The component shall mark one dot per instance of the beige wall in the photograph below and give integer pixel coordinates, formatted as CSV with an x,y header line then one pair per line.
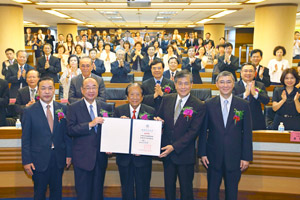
x,y
216,31
12,29
274,25
66,29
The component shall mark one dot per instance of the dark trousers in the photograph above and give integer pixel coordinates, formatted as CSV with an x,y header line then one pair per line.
x,y
185,174
231,180
89,184
52,177
135,177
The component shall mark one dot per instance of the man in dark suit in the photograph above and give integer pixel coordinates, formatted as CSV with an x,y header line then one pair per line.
x,y
228,62
192,64
254,92
164,43
120,68
183,115
262,73
4,100
225,141
171,72
49,38
86,67
10,54
98,65
46,147
135,170
137,55
28,37
48,65
84,124
146,62
207,39
154,88
27,96
191,41
16,73
60,41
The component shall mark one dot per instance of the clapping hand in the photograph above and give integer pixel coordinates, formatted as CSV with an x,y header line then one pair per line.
x,y
252,88
296,98
261,72
283,95
19,73
47,65
276,68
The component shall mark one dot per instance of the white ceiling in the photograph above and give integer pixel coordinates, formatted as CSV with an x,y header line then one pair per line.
x,y
137,17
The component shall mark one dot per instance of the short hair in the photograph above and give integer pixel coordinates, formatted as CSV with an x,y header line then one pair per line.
x,y
289,71
220,45
127,42
85,57
38,73
61,46
248,63
78,45
170,46
182,74
9,49
222,38
156,42
225,73
296,32
151,46
88,79
278,48
84,35
208,33
46,78
60,34
120,51
73,56
138,43
191,47
107,44
256,51
133,85
21,51
203,48
92,50
228,44
173,58
157,61
48,44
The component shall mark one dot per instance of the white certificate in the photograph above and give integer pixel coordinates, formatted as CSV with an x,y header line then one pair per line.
x,y
115,135
146,137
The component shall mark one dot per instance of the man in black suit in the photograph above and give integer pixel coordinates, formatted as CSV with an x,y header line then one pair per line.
x,y
225,141
49,38
120,68
135,170
207,39
16,73
98,65
60,41
85,65
192,64
191,41
84,124
28,37
254,92
164,43
183,115
10,54
27,96
154,88
262,73
171,72
4,100
228,62
46,146
146,62
48,65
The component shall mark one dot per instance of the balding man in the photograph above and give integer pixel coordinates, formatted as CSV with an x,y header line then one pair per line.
x,y
120,68
86,68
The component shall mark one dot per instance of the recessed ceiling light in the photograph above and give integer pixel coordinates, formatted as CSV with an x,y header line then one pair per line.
x,y
107,4
90,25
76,21
22,1
191,26
239,26
215,4
167,13
58,14
203,9
203,21
254,1
223,13
70,9
158,9
169,4
61,4
26,22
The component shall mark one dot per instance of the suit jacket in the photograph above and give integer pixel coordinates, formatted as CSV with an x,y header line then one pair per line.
x,y
194,68
120,74
23,97
232,67
189,43
52,71
183,133
125,159
146,67
258,119
50,40
4,70
266,77
148,87
37,138
167,74
164,45
12,77
231,144
4,100
75,88
86,142
137,60
205,42
100,69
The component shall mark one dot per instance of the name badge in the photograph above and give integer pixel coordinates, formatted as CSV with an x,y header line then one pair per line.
x,y
295,136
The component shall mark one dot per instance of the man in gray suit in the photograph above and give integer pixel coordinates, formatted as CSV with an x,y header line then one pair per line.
x,y
86,68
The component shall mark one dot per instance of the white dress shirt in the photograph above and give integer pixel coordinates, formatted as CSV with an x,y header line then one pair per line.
x,y
183,100
222,99
137,111
281,66
35,92
94,108
44,105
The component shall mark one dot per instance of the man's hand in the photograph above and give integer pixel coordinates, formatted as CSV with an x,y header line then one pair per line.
x,y
47,65
19,73
244,165
28,168
261,72
68,162
167,150
97,120
205,161
158,90
158,119
252,88
247,91
124,117
24,73
30,103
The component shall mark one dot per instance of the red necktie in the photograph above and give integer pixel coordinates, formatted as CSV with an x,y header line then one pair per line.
x,y
47,58
133,116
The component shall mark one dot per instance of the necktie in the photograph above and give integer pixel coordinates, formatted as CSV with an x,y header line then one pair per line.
x,y
92,116
158,82
172,74
177,110
47,58
32,93
151,60
11,62
133,114
84,48
225,112
50,118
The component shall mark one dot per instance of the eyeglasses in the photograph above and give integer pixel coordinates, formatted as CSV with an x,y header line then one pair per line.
x,y
90,88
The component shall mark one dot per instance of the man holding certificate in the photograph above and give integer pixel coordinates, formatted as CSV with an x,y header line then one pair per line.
x,y
135,170
183,115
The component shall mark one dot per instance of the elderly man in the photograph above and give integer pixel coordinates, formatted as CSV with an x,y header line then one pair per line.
x,y
16,73
86,68
120,68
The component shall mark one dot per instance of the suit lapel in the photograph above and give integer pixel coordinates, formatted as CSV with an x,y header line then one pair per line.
x,y
85,111
241,84
219,110
40,112
231,112
55,117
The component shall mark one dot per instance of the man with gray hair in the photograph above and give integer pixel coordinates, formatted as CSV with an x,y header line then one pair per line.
x,y
225,141
120,68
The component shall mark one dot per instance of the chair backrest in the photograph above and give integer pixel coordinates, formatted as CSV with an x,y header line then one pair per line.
x,y
202,94
269,117
111,110
130,78
115,93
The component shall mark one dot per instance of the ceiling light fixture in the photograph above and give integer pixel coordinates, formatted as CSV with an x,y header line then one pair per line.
x,y
254,1
298,13
58,14
27,22
76,9
22,1
203,21
169,4
215,4
222,14
77,21
107,4
61,4
239,26
158,9
191,26
203,9
90,25
167,13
